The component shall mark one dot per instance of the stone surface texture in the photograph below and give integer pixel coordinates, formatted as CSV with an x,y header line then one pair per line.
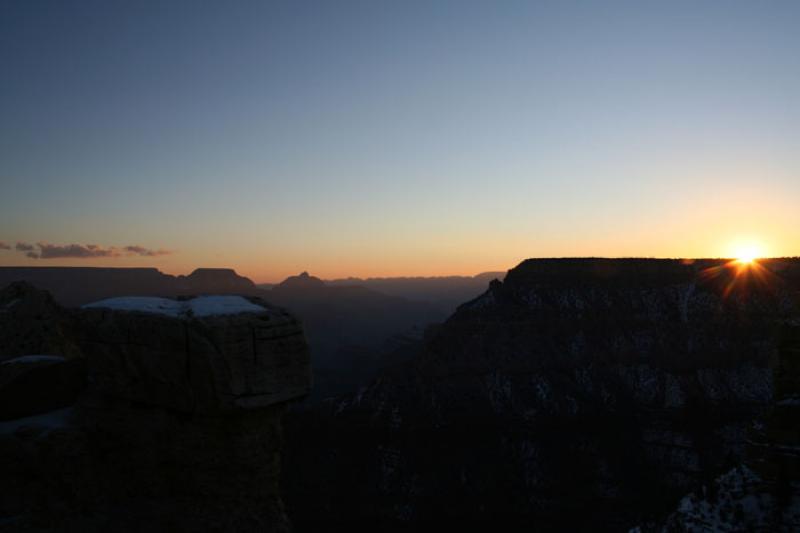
x,y
164,423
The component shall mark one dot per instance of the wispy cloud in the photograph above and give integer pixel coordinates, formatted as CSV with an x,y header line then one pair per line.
x,y
43,250
55,251
141,250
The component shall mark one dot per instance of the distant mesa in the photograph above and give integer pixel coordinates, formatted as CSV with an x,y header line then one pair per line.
x,y
221,279
75,286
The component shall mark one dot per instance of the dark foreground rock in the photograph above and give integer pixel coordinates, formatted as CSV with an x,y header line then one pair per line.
x,y
32,385
177,425
763,493
31,322
577,395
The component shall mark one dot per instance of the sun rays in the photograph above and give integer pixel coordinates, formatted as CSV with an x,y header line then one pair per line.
x,y
742,275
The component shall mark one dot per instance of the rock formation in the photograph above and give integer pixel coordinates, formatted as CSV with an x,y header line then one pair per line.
x,y
175,425
302,281
343,324
577,394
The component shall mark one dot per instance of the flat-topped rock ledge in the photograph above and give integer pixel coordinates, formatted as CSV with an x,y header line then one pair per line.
x,y
145,414
207,354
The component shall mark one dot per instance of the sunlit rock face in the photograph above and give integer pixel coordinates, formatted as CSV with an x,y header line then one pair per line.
x,y
575,393
175,426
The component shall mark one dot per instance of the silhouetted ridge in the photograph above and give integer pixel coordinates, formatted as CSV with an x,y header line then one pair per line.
x,y
302,281
73,286
575,395
219,279
444,292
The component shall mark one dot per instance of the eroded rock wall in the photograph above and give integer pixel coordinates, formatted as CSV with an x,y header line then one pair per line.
x,y
175,425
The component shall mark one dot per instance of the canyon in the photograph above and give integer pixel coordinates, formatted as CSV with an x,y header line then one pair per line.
x,y
575,394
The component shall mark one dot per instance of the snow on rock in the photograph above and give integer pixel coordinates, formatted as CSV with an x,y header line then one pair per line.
x,y
10,304
222,305
30,359
145,304
791,401
49,421
200,307
739,500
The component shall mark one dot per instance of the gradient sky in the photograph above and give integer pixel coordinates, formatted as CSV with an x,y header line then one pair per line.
x,y
403,138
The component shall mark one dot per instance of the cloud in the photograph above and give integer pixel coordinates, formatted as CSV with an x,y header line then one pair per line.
x,y
43,250
141,250
55,251
4,246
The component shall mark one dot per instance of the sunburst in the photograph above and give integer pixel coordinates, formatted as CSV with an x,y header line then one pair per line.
x,y
748,254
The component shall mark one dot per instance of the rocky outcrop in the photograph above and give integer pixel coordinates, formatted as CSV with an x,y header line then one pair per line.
x,y
208,364
176,425
576,394
31,322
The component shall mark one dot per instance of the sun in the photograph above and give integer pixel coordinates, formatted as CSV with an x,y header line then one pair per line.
x,y
746,255
746,258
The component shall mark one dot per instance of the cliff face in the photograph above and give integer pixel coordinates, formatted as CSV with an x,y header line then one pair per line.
x,y
763,494
173,423
575,393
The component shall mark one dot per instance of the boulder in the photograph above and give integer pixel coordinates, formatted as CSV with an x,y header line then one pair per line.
x,y
164,416
182,357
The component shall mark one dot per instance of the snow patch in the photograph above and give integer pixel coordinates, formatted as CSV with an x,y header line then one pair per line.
x,y
48,421
201,306
791,401
30,359
223,305
11,304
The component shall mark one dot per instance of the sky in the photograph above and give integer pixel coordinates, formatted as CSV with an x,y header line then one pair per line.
x,y
395,138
